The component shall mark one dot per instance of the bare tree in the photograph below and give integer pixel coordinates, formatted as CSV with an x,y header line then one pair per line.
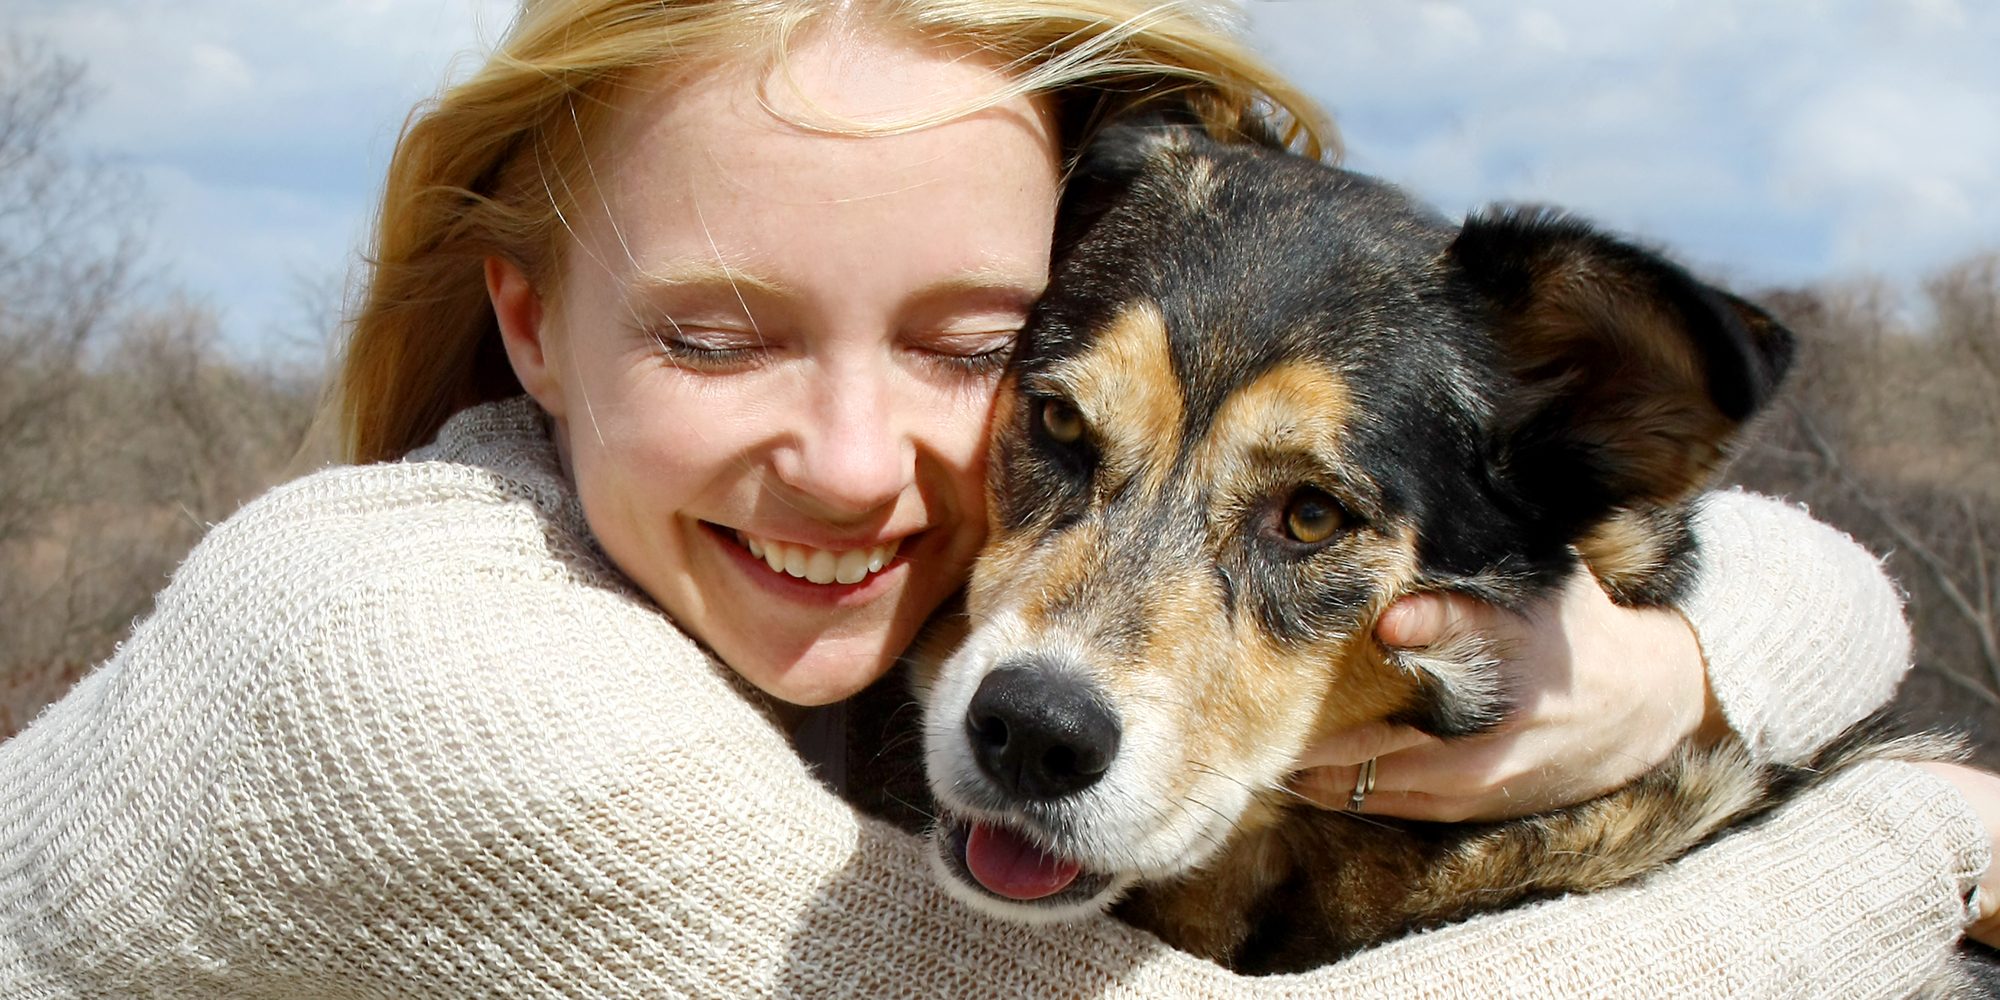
x,y
67,252
1892,431
126,428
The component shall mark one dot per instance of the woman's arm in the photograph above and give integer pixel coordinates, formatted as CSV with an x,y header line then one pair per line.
x,y
1982,791
1800,904
442,764
661,837
1801,628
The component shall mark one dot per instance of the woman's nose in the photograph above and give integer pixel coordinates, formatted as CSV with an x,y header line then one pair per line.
x,y
853,453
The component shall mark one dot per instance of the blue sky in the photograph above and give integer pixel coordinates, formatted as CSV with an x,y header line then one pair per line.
x,y
1766,142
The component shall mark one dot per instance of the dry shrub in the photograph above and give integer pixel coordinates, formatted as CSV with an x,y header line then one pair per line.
x,y
161,434
1892,431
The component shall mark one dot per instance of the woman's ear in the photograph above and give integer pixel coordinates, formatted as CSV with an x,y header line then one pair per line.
x,y
518,308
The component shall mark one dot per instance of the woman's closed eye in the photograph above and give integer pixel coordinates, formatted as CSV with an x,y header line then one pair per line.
x,y
978,353
710,349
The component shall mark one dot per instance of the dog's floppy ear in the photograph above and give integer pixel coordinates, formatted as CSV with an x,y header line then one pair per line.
x,y
1635,376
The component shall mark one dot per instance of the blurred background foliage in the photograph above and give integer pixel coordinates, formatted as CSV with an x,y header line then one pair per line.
x,y
126,429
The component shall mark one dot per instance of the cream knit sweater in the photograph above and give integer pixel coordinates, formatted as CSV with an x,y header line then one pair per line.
x,y
400,731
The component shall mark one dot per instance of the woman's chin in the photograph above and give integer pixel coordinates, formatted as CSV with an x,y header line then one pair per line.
x,y
822,675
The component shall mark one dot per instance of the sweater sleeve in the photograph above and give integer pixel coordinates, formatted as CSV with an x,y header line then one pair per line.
x,y
1802,629
453,767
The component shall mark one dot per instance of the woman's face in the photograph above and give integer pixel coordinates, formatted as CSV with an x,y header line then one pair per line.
x,y
774,347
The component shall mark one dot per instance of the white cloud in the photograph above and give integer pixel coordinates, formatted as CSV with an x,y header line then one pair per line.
x,y
1904,163
1785,140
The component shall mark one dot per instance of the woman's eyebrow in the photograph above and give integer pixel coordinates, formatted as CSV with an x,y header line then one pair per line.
x,y
703,278
990,284
708,278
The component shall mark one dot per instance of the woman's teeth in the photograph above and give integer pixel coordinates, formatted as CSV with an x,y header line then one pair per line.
x,y
820,565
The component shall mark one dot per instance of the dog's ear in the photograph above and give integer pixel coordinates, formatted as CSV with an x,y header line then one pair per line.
x,y
1635,376
1113,159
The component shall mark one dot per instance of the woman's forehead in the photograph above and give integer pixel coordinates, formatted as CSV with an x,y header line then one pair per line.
x,y
717,173
843,89
693,159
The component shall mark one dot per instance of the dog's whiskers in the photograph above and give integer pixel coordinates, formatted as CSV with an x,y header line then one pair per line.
x,y
1233,823
920,810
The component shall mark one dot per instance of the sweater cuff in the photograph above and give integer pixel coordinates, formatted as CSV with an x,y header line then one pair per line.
x,y
1801,628
1909,805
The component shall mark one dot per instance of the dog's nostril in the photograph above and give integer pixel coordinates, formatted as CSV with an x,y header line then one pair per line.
x,y
991,731
1040,733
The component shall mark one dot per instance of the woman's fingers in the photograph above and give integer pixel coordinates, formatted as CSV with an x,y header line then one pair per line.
x,y
1328,787
1330,769
1598,693
1357,744
1413,621
1333,787
1419,805
1418,620
1491,777
1404,781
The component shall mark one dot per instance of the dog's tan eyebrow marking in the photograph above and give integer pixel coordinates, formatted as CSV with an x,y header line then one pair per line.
x,y
1126,388
1298,408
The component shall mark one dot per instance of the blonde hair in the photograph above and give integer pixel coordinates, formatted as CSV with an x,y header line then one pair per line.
x,y
483,169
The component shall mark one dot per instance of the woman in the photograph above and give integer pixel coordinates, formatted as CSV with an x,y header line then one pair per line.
x,y
421,728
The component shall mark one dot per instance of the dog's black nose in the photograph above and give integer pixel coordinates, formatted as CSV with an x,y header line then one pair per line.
x,y
1040,734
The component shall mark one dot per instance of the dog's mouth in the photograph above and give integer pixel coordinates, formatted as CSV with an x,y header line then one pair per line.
x,y
1005,864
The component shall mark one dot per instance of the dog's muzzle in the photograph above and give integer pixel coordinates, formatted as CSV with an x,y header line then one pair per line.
x,y
1038,734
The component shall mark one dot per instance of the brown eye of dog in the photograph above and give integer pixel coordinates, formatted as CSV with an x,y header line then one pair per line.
x,y
1311,517
1062,421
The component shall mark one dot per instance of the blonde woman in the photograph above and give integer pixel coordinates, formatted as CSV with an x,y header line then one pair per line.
x,y
668,397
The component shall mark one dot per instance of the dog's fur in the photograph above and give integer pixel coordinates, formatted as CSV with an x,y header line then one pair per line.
x,y
1262,399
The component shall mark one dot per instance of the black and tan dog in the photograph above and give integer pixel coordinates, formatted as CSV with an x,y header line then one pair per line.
x,y
1262,399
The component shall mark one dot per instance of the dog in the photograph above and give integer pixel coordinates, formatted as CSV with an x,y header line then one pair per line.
x,y
1261,399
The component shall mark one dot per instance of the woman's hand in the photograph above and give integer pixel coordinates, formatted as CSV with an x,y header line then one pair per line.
x,y
1602,693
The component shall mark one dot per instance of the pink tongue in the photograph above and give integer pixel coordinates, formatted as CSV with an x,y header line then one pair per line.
x,y
1014,868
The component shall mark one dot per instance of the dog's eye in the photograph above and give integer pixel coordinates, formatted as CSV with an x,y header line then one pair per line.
x,y
1062,421
1312,517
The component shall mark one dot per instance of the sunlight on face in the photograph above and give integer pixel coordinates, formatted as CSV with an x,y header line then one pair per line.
x,y
774,353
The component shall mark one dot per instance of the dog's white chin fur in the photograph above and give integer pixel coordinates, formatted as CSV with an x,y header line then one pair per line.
x,y
1119,825
1030,912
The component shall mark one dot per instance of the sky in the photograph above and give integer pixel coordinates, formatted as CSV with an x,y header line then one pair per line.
x,y
1764,142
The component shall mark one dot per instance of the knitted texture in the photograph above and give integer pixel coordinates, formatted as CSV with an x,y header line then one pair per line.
x,y
400,731
1801,626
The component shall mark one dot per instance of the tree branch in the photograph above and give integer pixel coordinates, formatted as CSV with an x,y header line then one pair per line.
x,y
1978,618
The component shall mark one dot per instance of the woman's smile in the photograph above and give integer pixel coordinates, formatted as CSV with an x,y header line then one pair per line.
x,y
794,571
817,565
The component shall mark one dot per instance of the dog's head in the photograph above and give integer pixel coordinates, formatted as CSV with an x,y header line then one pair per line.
x,y
1262,399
